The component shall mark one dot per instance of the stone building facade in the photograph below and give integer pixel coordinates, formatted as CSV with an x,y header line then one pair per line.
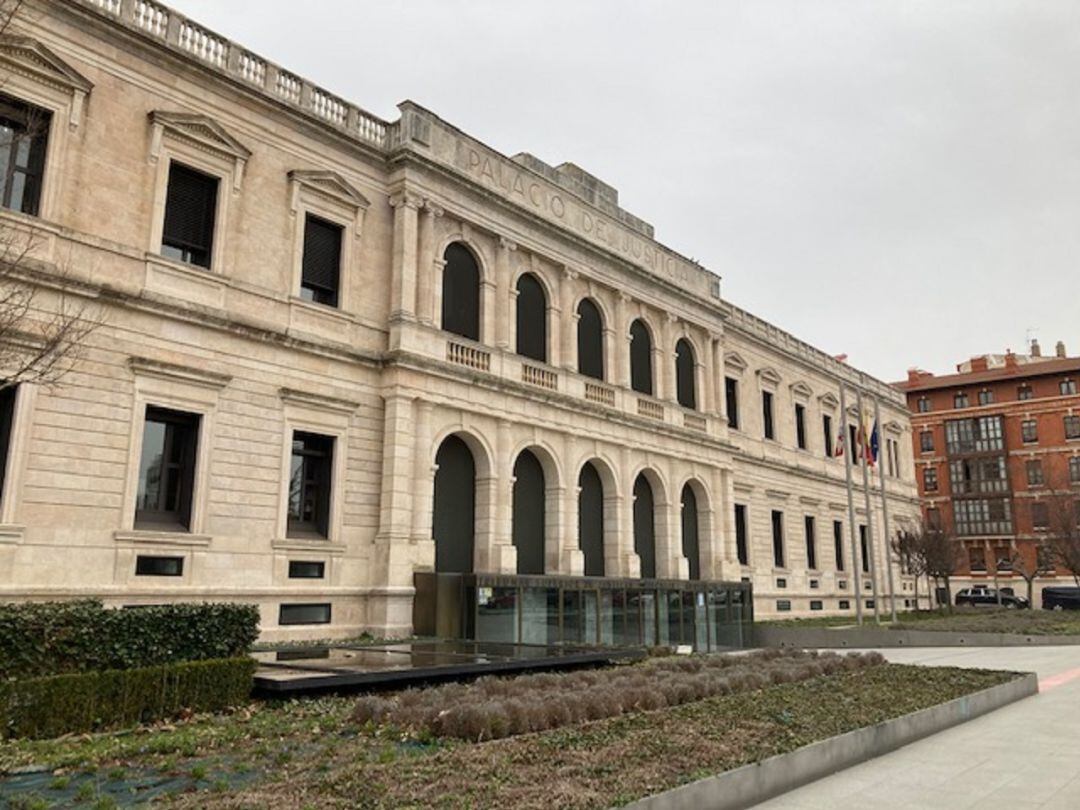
x,y
337,350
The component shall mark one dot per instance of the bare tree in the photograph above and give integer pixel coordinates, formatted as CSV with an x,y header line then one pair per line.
x,y
1063,522
942,556
907,546
1030,570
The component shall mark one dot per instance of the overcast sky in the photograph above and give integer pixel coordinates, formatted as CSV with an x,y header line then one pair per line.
x,y
898,181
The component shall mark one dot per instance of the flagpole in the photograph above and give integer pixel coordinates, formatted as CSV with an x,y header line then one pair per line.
x,y
885,511
848,450
869,515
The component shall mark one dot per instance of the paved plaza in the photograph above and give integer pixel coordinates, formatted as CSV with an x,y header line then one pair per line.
x,y
1023,756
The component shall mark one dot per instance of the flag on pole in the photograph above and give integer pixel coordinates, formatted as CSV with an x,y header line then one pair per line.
x,y
875,445
839,451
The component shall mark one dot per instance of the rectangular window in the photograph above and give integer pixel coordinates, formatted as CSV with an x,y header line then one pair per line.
x,y
982,435
926,441
778,538
975,517
24,134
864,550
933,517
986,397
815,584
167,470
1029,430
978,476
7,419
1067,387
816,604
1072,427
924,405
767,414
844,604
929,479
303,569
1074,470
838,543
811,543
190,210
960,400
781,583
783,605
310,481
826,425
147,566
1040,515
741,546
841,584
800,426
1024,392
321,271
731,393
1035,473
318,613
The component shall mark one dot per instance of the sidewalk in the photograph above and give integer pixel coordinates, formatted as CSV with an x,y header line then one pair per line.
x,y
1024,756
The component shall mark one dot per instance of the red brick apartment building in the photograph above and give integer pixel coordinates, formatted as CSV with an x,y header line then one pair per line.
x,y
996,446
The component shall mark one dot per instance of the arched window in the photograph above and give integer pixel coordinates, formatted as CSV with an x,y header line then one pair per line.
x,y
531,318
528,514
461,292
690,546
590,340
644,527
591,520
685,385
640,358
454,522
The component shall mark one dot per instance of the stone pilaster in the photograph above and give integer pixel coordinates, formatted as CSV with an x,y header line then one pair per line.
x,y
427,265
567,286
404,255
504,298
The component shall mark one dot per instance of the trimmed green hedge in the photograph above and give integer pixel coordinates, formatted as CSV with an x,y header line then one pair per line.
x,y
51,638
95,701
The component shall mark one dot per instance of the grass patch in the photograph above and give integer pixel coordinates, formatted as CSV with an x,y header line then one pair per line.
x,y
961,620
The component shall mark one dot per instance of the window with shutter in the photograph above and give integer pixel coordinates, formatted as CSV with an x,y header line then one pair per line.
x,y
321,274
190,206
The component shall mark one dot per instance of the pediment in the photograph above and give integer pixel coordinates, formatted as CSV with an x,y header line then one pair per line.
x,y
734,360
893,426
769,375
200,130
801,389
35,59
829,401
329,184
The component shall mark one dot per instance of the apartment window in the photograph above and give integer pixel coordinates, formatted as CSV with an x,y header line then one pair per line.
x,y
310,481
778,538
167,469
24,133
930,479
800,426
1074,470
190,209
767,414
1024,392
980,435
924,405
974,517
1072,427
1035,473
306,569
304,614
7,419
864,550
1040,515
826,426
147,566
926,441
816,604
321,271
811,542
986,397
1029,430
960,400
933,517
1067,387
783,605
838,543
731,394
741,545
978,476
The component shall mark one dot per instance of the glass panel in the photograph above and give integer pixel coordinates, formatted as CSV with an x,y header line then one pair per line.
x,y
607,616
663,619
589,625
497,614
632,614
573,630
648,613
701,622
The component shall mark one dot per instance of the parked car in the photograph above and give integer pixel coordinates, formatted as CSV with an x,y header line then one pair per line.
x,y
985,596
1061,598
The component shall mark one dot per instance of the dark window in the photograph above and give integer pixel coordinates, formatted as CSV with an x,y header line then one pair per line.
x,y
304,569
318,613
528,513
982,516
978,476
869,604
1040,515
190,209
929,479
461,292
811,542
685,385
816,604
310,482
167,470
933,517
591,520
146,566
781,582
783,605
742,548
1035,473
321,271
24,134
590,340
838,543
814,584
778,538
800,426
531,318
731,393
926,441
826,426
644,527
924,405
981,435
986,397
690,546
7,419
1024,392
1029,430
1067,387
640,358
844,604
841,584
1074,469
864,550
767,414
960,400
1072,427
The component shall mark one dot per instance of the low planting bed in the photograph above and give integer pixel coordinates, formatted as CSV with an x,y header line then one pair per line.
x,y
702,716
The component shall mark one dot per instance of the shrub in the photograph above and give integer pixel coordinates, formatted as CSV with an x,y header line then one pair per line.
x,y
94,701
51,638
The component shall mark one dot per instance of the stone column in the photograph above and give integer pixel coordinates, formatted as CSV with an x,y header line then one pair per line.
x,y
620,371
571,560
404,256
426,269
495,492
504,309
718,385
488,309
627,563
568,353
423,483
666,371
708,377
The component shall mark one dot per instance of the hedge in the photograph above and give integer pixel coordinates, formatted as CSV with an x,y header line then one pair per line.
x,y
52,638
96,701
